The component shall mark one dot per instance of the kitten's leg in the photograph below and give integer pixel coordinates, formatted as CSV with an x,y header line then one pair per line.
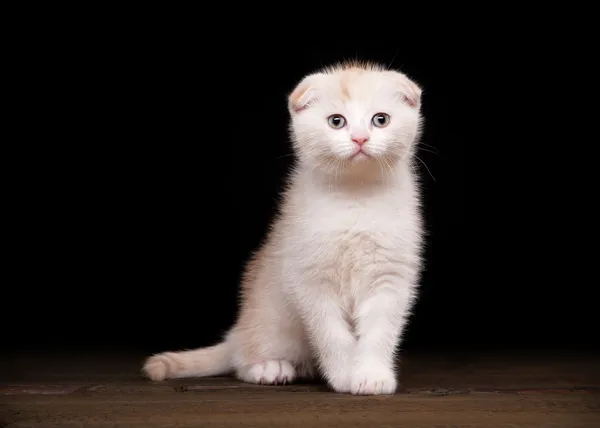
x,y
270,351
330,334
380,319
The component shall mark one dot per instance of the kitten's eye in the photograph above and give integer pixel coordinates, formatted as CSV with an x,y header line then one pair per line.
x,y
336,121
381,120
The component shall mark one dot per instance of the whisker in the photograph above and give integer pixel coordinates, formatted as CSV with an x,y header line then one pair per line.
x,y
426,167
427,150
428,145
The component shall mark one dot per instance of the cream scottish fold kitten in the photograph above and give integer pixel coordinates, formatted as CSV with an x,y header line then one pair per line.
x,y
333,284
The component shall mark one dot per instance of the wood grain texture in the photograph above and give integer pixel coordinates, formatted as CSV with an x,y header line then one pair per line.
x,y
471,390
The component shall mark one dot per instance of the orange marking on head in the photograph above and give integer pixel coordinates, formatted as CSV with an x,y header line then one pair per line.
x,y
344,87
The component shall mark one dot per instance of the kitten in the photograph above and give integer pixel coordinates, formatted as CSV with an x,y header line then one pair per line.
x,y
333,284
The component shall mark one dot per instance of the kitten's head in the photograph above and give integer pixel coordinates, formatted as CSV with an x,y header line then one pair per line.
x,y
354,115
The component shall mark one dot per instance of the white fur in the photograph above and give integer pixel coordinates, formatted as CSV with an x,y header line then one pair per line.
x,y
335,281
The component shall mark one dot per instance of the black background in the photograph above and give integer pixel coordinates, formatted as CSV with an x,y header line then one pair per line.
x,y
134,231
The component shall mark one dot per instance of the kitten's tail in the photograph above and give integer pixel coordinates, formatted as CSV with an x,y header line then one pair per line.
x,y
210,361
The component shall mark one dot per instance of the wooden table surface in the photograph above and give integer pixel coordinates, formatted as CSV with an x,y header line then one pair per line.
x,y
541,389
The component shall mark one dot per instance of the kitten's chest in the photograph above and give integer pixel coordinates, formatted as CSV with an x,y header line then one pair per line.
x,y
344,220
347,241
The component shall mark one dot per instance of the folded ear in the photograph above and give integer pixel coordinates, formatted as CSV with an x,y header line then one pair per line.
x,y
304,94
408,91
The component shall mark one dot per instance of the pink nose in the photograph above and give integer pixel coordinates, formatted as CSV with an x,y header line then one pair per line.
x,y
360,139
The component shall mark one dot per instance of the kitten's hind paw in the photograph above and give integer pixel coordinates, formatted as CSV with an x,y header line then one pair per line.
x,y
272,372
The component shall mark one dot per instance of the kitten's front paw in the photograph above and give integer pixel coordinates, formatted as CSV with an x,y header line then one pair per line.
x,y
373,379
273,372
